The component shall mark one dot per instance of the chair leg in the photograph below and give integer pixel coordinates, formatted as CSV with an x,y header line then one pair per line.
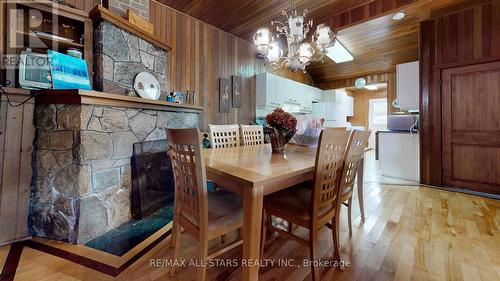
x,y
177,244
336,238
223,238
290,227
263,233
201,271
174,226
349,215
313,243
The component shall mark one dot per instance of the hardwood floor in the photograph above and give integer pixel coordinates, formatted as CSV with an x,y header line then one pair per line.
x,y
410,233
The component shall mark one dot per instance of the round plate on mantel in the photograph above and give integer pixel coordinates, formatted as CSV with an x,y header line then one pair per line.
x,y
147,86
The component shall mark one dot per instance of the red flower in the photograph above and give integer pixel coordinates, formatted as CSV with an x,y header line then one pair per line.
x,y
281,120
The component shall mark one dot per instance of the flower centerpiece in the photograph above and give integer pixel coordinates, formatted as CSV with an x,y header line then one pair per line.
x,y
283,126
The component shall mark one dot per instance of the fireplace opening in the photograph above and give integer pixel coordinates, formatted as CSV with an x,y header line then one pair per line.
x,y
152,178
152,199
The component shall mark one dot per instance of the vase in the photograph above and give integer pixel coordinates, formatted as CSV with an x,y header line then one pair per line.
x,y
279,139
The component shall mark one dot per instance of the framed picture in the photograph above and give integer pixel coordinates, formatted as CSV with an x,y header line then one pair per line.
x,y
237,85
68,72
224,94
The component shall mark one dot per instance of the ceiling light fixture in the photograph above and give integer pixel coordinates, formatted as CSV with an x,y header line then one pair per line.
x,y
338,53
398,16
371,87
299,54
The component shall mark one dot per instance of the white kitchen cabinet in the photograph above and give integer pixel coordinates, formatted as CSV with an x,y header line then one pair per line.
x,y
317,95
350,106
407,85
280,90
265,90
341,97
275,91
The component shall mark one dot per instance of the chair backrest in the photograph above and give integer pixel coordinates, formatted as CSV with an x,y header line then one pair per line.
x,y
355,151
252,134
330,157
224,136
189,174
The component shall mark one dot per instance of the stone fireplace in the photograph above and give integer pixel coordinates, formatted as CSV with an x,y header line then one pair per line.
x,y
82,165
120,55
84,140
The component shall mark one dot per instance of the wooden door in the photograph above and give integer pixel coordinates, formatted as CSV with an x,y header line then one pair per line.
x,y
471,127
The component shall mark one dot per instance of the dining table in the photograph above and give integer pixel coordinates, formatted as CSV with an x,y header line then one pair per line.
x,y
253,172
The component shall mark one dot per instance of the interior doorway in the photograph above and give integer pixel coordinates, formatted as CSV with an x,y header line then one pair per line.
x,y
377,118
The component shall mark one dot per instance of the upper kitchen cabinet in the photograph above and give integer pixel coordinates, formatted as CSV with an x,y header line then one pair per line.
x,y
407,80
266,91
350,106
276,91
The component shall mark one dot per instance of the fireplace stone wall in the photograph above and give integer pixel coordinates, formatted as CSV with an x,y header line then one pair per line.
x,y
82,176
120,55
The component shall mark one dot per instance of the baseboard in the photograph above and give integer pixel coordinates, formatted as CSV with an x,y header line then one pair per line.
x,y
15,240
465,191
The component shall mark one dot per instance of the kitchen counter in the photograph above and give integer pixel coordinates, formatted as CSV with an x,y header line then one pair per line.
x,y
399,154
389,132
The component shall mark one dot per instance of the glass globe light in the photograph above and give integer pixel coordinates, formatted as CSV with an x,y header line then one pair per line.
x,y
305,52
274,52
323,36
262,38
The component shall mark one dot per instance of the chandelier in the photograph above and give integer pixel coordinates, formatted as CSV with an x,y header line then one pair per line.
x,y
299,54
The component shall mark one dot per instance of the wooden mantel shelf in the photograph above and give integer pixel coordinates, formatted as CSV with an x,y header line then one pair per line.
x,y
107,99
101,13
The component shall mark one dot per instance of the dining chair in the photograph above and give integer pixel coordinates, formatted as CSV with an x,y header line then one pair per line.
x,y
224,136
312,207
252,134
204,215
355,151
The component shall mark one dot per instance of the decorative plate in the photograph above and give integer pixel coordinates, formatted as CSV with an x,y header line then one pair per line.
x,y
147,86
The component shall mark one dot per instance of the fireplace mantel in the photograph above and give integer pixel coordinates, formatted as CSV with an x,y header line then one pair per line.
x,y
108,99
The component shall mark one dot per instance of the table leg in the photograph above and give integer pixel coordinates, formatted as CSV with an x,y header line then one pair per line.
x,y
252,223
361,169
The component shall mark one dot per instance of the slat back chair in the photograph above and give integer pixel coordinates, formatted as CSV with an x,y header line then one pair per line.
x,y
252,134
192,212
224,136
313,209
355,151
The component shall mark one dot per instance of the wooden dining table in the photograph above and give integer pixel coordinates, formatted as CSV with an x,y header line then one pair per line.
x,y
254,172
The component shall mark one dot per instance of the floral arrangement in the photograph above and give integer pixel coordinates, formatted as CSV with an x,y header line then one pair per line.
x,y
284,127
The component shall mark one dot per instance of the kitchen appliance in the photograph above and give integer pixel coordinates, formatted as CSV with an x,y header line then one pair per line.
x,y
406,122
34,70
334,114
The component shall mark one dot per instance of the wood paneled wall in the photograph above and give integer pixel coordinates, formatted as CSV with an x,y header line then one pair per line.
x,y
16,140
201,54
464,36
362,105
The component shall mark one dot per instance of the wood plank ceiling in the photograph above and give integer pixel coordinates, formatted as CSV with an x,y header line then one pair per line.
x,y
243,17
377,44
